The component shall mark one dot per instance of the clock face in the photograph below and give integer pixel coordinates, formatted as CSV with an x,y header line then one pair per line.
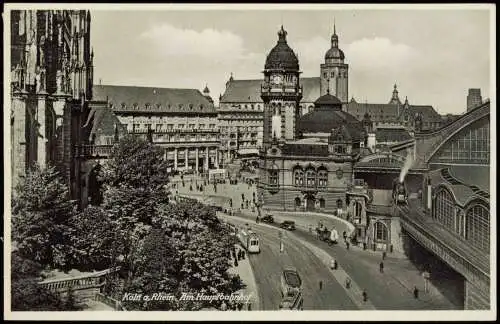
x,y
277,79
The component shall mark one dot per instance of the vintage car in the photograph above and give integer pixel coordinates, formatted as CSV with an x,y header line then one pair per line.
x,y
268,219
288,225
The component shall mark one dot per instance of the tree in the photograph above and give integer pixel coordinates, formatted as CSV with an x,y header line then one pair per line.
x,y
41,212
27,294
186,251
94,239
138,164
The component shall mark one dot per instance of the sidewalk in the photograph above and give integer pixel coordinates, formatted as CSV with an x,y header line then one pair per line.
x,y
244,270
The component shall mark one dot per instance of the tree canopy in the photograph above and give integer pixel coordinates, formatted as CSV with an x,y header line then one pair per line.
x,y
41,213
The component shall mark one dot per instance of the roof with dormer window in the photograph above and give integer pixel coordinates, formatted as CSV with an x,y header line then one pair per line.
x,y
132,99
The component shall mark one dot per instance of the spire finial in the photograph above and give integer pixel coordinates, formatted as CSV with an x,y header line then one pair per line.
x,y
282,34
334,27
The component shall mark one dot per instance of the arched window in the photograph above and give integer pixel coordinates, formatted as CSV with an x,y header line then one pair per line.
x,y
444,209
322,178
311,178
322,203
358,209
298,177
298,203
380,231
273,177
477,227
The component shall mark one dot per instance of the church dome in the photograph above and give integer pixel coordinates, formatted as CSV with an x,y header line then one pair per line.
x,y
328,100
334,53
282,56
328,115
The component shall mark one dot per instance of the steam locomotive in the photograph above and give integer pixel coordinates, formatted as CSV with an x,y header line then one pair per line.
x,y
400,193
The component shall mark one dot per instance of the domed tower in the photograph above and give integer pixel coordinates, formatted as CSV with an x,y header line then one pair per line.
x,y
334,72
281,92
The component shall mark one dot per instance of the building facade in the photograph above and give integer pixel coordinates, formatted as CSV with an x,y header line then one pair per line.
x,y
397,114
241,113
306,162
51,90
182,121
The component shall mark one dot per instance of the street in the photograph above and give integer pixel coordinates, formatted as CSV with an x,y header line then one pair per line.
x,y
267,267
391,290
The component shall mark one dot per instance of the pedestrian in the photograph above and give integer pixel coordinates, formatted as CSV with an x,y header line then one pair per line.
x,y
249,306
364,246
240,306
348,282
384,254
243,254
347,245
344,235
365,296
320,285
223,306
335,265
381,267
415,292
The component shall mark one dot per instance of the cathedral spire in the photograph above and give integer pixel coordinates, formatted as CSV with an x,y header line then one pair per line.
x,y
335,38
395,96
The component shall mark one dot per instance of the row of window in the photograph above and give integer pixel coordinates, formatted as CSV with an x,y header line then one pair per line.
x,y
184,138
247,106
342,74
160,127
474,225
148,106
310,178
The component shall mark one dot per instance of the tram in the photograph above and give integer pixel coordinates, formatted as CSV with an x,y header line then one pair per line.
x,y
249,240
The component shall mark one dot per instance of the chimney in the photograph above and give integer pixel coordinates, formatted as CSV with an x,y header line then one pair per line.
x,y
100,81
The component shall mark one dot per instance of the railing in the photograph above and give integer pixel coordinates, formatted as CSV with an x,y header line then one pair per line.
x,y
94,151
284,89
77,283
175,131
111,302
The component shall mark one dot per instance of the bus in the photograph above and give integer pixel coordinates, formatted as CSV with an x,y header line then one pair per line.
x,y
249,240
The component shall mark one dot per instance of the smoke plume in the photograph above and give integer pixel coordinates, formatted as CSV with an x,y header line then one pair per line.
x,y
410,157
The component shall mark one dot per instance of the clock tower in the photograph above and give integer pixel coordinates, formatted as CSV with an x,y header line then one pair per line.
x,y
281,93
334,72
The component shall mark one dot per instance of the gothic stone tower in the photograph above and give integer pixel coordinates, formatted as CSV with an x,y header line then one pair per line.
x,y
334,72
281,93
52,72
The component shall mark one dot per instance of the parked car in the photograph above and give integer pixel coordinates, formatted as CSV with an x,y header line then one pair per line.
x,y
268,219
288,225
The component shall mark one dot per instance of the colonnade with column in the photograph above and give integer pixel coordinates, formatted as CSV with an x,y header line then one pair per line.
x,y
197,158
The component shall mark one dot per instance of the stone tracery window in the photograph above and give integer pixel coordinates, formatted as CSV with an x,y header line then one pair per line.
x,y
298,177
311,178
322,178
273,177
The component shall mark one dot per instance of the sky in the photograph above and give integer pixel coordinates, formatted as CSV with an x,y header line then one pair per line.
x,y
433,56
